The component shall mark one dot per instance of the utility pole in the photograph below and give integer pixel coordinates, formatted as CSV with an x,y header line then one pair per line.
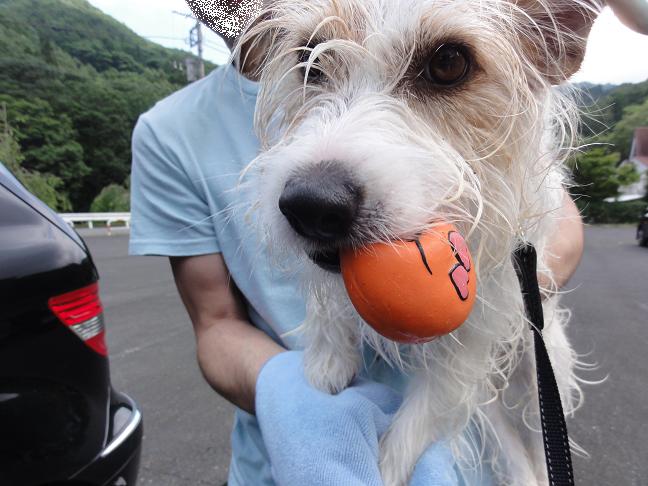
x,y
196,40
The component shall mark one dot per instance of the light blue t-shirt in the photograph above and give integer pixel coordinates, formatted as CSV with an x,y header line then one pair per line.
x,y
188,153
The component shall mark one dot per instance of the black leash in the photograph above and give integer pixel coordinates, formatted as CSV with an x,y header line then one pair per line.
x,y
554,428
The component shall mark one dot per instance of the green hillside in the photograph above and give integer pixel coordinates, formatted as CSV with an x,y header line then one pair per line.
x,y
74,81
612,113
615,114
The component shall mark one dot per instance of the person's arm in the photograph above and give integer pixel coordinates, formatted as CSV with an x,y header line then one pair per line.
x,y
633,13
565,247
168,212
230,350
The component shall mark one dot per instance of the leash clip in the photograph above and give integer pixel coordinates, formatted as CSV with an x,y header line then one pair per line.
x,y
552,417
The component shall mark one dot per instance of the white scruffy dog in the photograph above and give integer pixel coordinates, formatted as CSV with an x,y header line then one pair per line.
x,y
380,118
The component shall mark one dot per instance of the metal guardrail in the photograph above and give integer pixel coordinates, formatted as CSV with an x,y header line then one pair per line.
x,y
91,218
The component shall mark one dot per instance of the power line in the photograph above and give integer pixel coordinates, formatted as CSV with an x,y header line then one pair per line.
x,y
185,14
165,37
219,52
217,48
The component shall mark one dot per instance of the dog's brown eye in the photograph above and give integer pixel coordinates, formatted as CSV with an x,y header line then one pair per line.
x,y
448,66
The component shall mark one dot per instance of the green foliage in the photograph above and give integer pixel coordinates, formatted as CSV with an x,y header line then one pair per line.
x,y
10,154
597,174
611,213
606,104
621,135
75,81
46,187
112,198
612,119
623,96
47,141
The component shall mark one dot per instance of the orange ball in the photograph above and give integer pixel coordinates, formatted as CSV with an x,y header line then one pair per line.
x,y
413,291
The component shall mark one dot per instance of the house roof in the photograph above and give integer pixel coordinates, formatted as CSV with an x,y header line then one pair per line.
x,y
639,151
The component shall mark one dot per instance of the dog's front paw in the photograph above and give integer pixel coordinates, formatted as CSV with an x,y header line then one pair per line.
x,y
330,372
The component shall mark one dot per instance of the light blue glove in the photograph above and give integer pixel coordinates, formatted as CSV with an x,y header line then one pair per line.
x,y
314,438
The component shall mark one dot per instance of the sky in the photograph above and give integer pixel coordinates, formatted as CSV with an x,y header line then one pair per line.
x,y
615,54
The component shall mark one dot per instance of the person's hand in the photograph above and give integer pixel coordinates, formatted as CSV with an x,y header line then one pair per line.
x,y
319,439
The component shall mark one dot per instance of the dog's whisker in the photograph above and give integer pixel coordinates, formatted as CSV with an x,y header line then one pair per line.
x,y
456,339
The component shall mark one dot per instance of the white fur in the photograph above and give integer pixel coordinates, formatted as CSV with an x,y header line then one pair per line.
x,y
487,157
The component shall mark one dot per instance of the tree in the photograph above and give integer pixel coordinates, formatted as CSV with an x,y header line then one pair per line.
x,y
46,187
10,154
621,136
47,140
112,199
597,175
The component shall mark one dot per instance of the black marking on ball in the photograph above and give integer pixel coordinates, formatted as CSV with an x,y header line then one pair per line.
x,y
422,252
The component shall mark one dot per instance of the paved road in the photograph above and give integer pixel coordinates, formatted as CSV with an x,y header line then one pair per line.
x,y
187,426
610,320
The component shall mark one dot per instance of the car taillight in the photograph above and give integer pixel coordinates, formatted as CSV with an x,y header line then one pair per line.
x,y
81,311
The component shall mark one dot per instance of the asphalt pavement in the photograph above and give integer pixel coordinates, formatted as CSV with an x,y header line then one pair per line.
x,y
152,358
187,426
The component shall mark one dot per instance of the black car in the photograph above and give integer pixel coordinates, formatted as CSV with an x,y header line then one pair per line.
x,y
642,230
61,422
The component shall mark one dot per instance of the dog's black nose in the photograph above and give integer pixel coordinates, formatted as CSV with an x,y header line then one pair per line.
x,y
321,202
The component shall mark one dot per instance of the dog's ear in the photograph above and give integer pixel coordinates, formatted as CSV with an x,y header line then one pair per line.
x,y
555,34
252,47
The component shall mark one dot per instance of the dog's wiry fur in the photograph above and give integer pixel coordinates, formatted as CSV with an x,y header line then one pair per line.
x,y
486,155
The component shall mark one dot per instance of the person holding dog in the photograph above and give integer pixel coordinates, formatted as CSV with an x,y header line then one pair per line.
x,y
188,153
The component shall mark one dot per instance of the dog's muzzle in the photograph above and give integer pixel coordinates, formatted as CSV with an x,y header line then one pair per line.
x,y
321,203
